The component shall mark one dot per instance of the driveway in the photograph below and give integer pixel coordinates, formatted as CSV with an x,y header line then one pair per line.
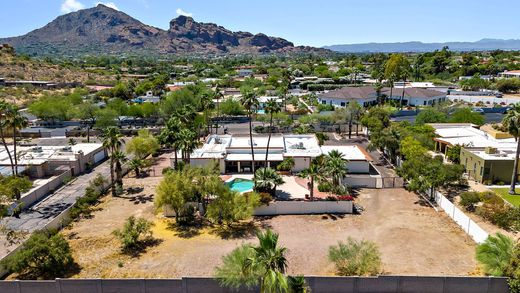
x,y
36,217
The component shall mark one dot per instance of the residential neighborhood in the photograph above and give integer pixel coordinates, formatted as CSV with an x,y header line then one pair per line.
x,y
194,158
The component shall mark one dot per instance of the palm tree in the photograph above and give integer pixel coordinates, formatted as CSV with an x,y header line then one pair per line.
x,y
264,265
206,102
136,164
271,107
511,122
286,165
112,141
169,136
250,103
218,96
4,112
266,179
495,254
354,112
119,158
187,142
16,121
335,167
313,173
271,259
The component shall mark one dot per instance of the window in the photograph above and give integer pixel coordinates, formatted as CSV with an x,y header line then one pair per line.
x,y
343,104
323,102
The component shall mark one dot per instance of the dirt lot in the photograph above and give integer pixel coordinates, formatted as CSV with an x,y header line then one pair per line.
x,y
413,239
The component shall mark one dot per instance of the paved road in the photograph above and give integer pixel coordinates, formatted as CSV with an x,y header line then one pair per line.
x,y
49,208
490,118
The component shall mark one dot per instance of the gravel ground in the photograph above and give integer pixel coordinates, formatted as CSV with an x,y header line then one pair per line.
x,y
413,238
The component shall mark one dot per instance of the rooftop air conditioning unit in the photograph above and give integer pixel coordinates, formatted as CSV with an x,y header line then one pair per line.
x,y
490,150
37,149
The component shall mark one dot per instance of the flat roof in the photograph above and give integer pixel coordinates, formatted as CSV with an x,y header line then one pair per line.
x,y
37,155
350,152
467,135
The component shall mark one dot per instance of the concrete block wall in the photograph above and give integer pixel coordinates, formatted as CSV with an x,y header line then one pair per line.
x,y
382,284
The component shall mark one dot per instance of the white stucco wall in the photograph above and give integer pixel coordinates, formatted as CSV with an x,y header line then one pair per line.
x,y
337,102
358,167
301,163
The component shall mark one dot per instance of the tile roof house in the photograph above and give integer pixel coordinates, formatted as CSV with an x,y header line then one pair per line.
x,y
367,96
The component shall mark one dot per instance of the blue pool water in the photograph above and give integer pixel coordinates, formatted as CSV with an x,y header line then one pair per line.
x,y
260,111
241,185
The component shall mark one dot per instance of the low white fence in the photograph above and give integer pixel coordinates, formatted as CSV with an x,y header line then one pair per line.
x,y
466,223
305,208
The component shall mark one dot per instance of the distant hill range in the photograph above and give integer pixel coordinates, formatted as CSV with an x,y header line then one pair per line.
x,y
103,30
482,45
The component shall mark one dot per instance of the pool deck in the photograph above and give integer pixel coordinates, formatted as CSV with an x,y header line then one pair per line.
x,y
291,189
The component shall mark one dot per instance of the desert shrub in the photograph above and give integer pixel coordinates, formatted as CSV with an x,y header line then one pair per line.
x,y
469,199
325,187
265,198
502,215
44,255
135,232
167,170
93,192
355,258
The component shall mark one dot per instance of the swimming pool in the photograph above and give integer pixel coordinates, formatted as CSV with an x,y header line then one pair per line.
x,y
260,111
241,185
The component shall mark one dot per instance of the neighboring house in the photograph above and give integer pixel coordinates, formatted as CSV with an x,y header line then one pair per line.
x,y
233,153
488,165
148,98
367,96
364,95
487,155
45,161
415,96
245,72
510,74
262,101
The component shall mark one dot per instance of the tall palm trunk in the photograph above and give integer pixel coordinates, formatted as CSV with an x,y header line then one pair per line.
x,y
176,158
218,116
515,168
312,188
7,149
112,181
269,140
14,152
119,173
402,95
350,128
251,142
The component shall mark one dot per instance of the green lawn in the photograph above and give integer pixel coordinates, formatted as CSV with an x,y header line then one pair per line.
x,y
513,199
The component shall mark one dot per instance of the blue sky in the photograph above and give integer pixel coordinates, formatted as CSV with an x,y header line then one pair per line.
x,y
304,22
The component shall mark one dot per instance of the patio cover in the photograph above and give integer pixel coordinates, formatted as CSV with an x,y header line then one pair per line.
x,y
258,157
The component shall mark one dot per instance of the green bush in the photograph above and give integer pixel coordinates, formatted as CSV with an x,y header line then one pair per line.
x,y
356,258
325,187
93,192
469,199
135,232
44,255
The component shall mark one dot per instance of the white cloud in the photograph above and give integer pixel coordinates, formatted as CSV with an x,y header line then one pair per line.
x,y
108,4
179,11
71,5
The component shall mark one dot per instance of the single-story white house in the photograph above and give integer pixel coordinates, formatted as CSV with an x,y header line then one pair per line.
x,y
233,153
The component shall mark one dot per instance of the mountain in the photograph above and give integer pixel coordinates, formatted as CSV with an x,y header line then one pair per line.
x,y
482,45
103,30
